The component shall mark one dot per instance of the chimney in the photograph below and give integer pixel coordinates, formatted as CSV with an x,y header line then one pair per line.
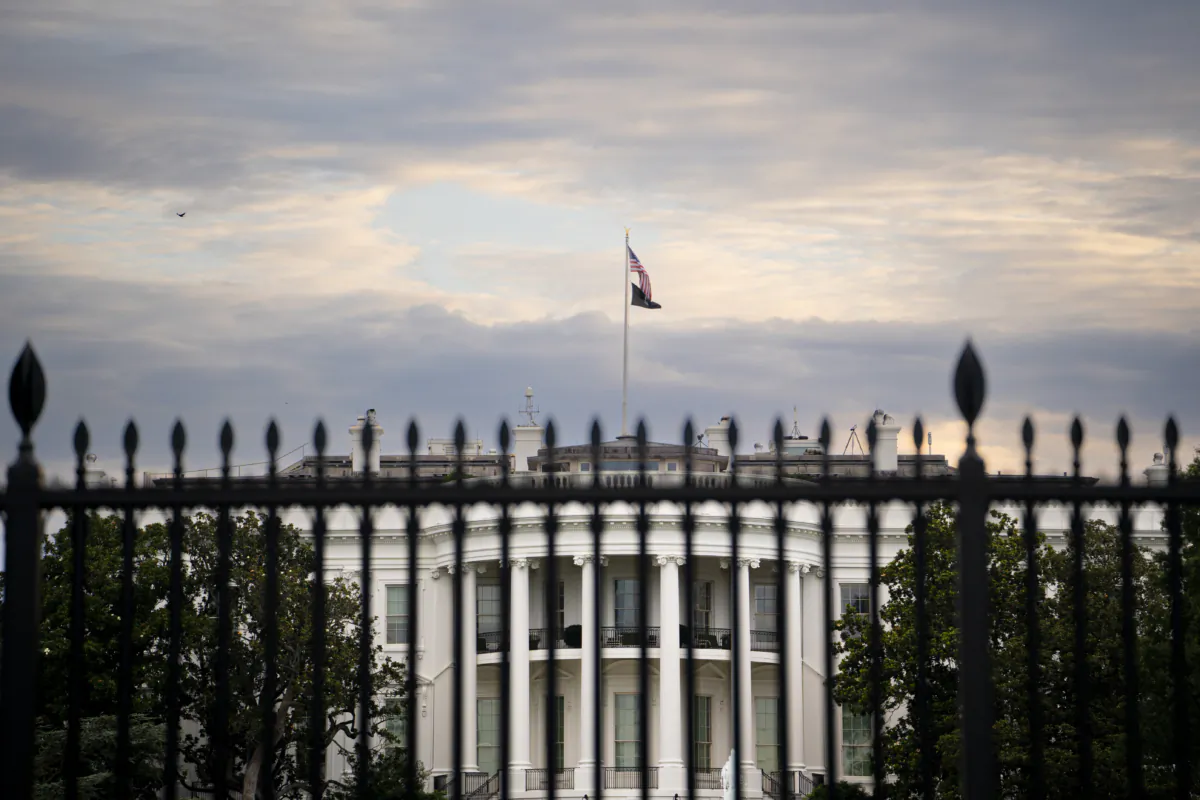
x,y
358,458
884,453
1157,473
718,438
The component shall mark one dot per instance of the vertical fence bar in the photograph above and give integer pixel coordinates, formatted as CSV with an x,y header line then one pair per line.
x,y
831,753
366,627
739,637
597,616
316,752
924,711
461,651
414,616
1133,725
643,572
125,690
1033,604
875,643
266,777
221,737
506,688
783,618
1083,698
1181,702
551,618
975,677
175,630
22,588
689,588
77,681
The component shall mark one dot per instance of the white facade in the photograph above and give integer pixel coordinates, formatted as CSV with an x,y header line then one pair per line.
x,y
665,609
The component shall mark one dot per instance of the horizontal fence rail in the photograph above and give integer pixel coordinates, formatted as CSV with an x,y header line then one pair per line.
x,y
224,654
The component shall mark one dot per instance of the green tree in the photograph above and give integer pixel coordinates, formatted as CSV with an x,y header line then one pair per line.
x,y
1009,657
248,657
1159,697
98,753
387,777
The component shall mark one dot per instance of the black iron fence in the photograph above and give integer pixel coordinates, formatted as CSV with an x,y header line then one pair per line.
x,y
976,768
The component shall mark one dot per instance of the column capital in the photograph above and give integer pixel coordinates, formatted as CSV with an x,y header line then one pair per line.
x,y
798,566
662,561
752,563
435,573
581,560
481,567
724,563
524,563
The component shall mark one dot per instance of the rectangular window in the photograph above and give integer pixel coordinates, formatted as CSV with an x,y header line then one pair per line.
x,y
584,466
560,735
702,747
766,730
488,733
396,723
672,466
562,606
627,466
627,730
397,615
627,603
765,607
702,614
856,743
856,598
487,608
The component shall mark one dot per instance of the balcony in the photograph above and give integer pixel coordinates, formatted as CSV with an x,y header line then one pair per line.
x,y
489,642
538,780
629,777
764,641
708,778
710,638
539,638
627,637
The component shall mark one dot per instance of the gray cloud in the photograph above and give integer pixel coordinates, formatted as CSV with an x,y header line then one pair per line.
x,y
300,364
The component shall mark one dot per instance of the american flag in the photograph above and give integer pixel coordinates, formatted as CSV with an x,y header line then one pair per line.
x,y
640,271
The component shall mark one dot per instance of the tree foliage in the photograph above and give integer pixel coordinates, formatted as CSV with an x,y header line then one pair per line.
x,y
199,684
1057,688
98,752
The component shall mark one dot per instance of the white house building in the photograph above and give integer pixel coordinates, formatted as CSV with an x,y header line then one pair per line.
x,y
625,604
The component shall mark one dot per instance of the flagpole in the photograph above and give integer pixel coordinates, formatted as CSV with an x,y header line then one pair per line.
x,y
625,354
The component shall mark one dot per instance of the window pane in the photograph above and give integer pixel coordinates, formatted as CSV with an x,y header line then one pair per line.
x,y
488,727
766,723
396,723
856,743
627,601
703,744
560,734
702,614
396,621
487,607
856,596
627,730
765,607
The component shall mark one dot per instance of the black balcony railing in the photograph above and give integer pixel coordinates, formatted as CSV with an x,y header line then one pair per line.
x,y
712,638
708,777
764,641
630,777
627,637
539,638
50,643
538,780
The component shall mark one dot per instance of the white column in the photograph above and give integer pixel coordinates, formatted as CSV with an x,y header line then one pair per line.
x,y
813,640
519,670
670,721
470,743
795,710
751,782
585,769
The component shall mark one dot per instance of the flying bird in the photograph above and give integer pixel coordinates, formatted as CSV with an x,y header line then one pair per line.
x,y
180,213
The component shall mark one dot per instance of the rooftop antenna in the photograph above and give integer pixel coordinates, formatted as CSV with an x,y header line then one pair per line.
x,y
528,411
795,423
931,443
853,440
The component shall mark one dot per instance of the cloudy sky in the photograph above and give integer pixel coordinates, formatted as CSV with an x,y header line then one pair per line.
x,y
419,207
